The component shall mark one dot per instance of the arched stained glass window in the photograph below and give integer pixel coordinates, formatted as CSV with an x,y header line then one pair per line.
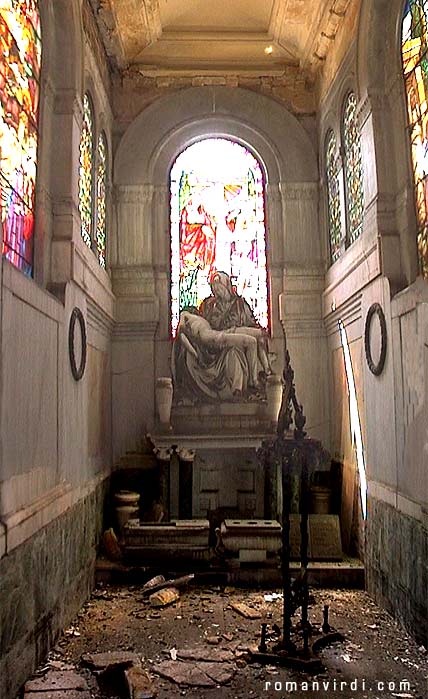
x,y
333,195
217,224
86,171
20,58
353,169
101,199
415,68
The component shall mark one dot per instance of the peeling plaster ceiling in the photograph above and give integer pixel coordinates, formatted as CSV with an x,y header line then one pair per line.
x,y
240,36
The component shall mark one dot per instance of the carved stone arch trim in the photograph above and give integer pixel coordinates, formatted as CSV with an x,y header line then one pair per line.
x,y
235,112
176,142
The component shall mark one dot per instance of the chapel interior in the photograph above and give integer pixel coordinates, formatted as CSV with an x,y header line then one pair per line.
x,y
215,236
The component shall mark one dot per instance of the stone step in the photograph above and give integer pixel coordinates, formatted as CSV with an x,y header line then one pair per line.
x,y
334,574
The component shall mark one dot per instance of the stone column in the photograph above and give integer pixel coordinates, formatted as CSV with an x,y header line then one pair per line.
x,y
66,121
185,498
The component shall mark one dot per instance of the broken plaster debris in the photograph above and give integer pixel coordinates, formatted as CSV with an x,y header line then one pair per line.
x,y
196,673
56,680
246,611
140,685
104,661
164,597
109,622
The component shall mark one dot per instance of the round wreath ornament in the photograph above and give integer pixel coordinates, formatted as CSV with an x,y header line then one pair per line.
x,y
375,310
77,369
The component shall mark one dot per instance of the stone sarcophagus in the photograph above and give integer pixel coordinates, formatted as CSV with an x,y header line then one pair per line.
x,y
176,539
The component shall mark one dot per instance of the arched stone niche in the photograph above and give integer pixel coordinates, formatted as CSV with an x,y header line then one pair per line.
x,y
140,257
153,141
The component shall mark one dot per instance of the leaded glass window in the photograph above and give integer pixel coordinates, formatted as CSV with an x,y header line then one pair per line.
x,y
333,195
415,68
101,199
20,59
217,224
353,169
86,172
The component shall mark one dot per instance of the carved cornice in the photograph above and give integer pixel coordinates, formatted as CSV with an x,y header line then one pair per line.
x,y
133,281
142,21
133,330
97,46
324,32
299,190
98,319
134,194
348,312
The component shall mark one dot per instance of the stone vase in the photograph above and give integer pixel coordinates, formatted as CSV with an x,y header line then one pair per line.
x,y
124,513
164,391
273,397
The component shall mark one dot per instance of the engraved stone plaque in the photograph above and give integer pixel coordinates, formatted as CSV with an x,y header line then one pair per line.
x,y
324,535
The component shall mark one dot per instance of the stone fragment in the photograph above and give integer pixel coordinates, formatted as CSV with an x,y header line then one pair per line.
x,y
164,597
57,680
59,694
140,685
245,611
184,673
159,579
213,640
196,674
111,545
103,661
61,665
202,653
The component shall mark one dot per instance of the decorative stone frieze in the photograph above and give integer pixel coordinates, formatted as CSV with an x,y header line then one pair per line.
x,y
299,190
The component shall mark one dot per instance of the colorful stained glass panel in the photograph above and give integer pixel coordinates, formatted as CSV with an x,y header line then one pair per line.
x,y
217,224
20,58
333,196
415,67
101,199
86,172
353,169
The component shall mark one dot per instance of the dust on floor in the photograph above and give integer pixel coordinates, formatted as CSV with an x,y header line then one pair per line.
x,y
197,648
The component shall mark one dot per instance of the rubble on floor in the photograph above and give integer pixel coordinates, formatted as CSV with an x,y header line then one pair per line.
x,y
199,646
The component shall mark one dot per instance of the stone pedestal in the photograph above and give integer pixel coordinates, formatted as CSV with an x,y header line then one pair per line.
x,y
207,473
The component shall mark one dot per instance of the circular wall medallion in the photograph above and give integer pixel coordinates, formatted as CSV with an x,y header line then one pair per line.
x,y
77,370
375,312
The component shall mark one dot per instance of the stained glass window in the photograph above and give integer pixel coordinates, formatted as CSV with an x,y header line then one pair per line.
x,y
415,67
217,224
86,175
353,169
20,58
101,199
333,195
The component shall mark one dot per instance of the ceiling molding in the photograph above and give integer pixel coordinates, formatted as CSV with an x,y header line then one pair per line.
x,y
252,36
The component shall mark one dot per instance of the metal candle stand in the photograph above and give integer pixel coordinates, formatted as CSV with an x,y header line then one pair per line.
x,y
293,451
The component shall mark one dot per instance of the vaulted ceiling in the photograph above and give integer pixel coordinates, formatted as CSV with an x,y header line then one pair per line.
x,y
208,36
